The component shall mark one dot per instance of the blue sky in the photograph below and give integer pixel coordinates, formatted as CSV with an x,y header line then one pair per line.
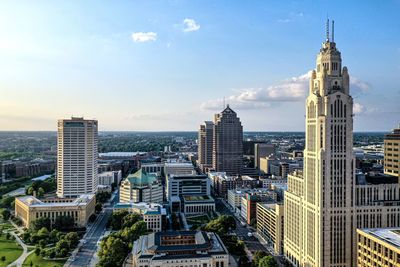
x,y
167,65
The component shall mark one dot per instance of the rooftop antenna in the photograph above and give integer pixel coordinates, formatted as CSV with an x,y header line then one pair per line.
x,y
224,103
327,29
333,31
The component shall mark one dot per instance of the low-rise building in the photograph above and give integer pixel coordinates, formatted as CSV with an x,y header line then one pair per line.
x,y
141,187
180,248
378,247
270,225
155,167
234,198
248,204
221,183
29,208
108,178
154,215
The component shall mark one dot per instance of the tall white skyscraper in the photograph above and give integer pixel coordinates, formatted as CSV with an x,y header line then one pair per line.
x,y
77,155
324,204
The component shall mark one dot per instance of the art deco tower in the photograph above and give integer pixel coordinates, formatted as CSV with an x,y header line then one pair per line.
x,y
228,143
318,204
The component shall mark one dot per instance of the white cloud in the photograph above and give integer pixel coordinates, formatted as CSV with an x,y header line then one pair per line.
x,y
144,36
190,25
358,108
291,90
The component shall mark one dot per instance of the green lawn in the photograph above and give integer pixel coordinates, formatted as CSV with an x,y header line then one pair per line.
x,y
197,219
10,249
40,262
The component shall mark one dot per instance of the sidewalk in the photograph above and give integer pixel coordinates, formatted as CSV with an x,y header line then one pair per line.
x,y
18,262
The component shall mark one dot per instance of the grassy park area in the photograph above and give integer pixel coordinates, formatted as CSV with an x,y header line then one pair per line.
x,y
39,261
9,249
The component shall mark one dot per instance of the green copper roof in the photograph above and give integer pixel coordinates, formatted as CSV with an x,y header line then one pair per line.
x,y
141,178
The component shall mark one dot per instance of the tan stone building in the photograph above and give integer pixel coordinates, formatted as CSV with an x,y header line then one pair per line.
x,y
205,144
270,225
378,247
29,208
324,205
392,153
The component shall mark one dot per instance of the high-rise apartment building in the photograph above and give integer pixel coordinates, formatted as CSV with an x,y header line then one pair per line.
x,y
392,153
77,155
205,145
324,205
228,143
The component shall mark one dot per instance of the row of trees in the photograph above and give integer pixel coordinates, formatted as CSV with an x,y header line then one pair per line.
x,y
115,247
61,223
39,188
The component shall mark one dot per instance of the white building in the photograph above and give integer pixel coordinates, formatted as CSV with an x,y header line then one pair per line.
x,y
178,168
141,187
153,213
77,157
108,178
234,198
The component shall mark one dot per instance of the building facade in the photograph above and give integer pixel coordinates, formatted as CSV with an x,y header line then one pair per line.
x,y
378,247
392,153
29,209
108,178
270,225
181,248
77,156
154,215
141,187
228,143
323,205
205,144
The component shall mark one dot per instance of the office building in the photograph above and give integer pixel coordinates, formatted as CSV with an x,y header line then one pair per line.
x,y
228,143
266,162
181,248
323,205
262,150
205,144
156,167
392,153
141,187
29,209
178,168
378,247
189,193
270,225
154,215
77,157
109,178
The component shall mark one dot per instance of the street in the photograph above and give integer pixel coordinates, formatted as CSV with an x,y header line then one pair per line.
x,y
89,245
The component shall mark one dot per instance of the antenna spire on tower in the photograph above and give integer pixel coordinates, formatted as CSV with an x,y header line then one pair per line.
x,y
327,29
333,31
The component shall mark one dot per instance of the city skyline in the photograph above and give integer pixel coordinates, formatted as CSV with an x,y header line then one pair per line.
x,y
167,66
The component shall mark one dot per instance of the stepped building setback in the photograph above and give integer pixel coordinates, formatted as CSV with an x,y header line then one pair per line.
x,y
324,205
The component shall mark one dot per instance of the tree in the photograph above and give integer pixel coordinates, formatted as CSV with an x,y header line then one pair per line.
x,y
92,218
3,258
40,223
258,255
42,243
115,220
112,252
8,236
72,238
62,246
43,232
6,214
40,192
37,251
130,219
222,225
64,223
130,234
98,207
267,261
53,236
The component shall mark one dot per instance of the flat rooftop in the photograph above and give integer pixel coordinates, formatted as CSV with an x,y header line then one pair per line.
x,y
32,201
388,235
